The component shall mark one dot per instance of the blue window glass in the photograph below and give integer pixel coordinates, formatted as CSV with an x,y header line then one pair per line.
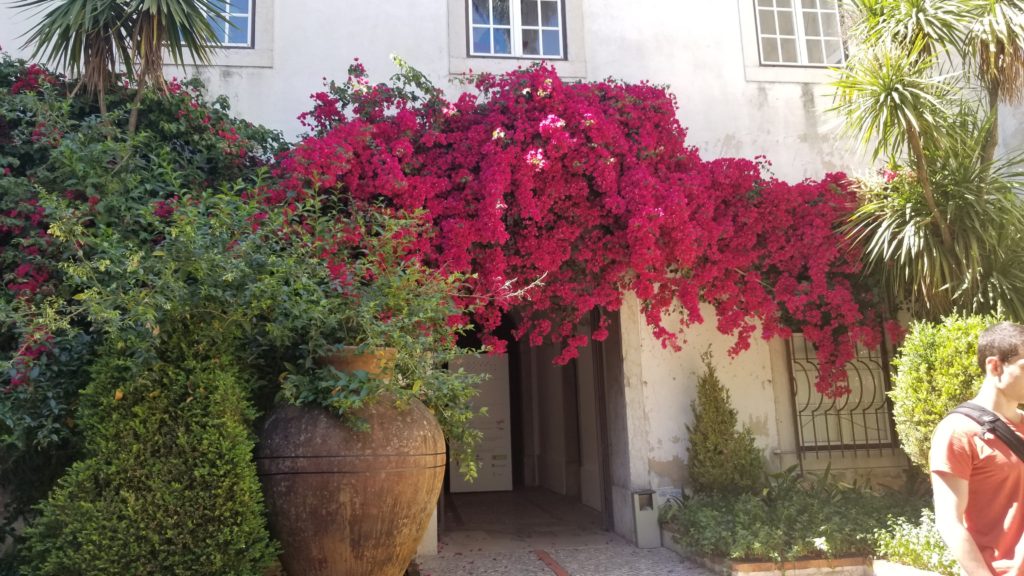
x,y
481,40
238,31
551,43
502,41
481,12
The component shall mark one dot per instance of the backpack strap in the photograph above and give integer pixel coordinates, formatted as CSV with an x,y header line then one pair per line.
x,y
992,423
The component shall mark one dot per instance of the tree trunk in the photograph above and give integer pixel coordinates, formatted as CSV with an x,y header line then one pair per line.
x,y
133,119
992,81
103,102
938,219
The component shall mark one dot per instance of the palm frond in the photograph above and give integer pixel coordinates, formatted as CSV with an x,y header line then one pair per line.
x,y
85,38
179,26
982,204
996,46
884,91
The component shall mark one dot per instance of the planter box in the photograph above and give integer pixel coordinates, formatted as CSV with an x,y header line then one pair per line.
x,y
859,566
886,568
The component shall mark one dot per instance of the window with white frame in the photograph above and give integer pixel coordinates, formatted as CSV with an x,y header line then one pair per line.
x,y
799,33
234,25
516,28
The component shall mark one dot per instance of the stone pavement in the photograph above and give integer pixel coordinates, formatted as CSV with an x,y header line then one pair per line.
x,y
537,533
616,558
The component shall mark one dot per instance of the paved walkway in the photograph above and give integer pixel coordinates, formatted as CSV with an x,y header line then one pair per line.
x,y
537,533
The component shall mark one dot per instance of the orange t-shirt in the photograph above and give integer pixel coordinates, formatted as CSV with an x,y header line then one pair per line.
x,y
995,488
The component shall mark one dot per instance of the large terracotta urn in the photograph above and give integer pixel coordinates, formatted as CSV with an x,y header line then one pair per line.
x,y
350,503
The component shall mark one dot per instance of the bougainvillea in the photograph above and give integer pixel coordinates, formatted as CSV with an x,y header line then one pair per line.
x,y
185,143
579,193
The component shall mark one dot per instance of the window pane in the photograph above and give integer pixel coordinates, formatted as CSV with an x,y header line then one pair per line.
x,y
787,47
769,50
827,4
812,27
481,40
502,40
240,6
529,12
786,24
815,55
501,12
765,3
829,25
218,5
218,28
784,3
833,52
238,32
549,14
531,42
767,21
552,43
481,12
810,4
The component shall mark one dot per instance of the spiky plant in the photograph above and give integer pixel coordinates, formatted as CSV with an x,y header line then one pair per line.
x,y
88,39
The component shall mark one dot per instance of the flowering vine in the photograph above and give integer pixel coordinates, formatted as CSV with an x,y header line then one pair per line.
x,y
592,188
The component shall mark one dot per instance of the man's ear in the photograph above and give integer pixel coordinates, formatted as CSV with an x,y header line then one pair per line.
x,y
994,366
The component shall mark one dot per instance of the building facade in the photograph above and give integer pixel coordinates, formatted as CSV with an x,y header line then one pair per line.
x,y
751,79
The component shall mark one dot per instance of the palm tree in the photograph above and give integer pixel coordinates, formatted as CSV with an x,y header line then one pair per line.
x,y
86,38
996,41
177,26
92,37
921,89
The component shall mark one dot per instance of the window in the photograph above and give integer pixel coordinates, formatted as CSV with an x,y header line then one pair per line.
x,y
859,422
234,28
516,28
799,33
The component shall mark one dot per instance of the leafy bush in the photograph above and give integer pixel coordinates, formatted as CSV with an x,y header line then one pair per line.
x,y
110,179
916,544
168,485
791,518
721,457
935,369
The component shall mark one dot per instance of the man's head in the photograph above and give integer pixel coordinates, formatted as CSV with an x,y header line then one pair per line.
x,y
1003,341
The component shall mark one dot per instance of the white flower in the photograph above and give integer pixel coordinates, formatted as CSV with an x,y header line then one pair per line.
x,y
820,543
536,157
552,121
497,134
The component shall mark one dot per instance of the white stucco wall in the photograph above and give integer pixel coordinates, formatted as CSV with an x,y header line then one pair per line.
x,y
694,47
668,383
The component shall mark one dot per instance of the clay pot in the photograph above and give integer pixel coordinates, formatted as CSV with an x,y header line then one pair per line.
x,y
348,503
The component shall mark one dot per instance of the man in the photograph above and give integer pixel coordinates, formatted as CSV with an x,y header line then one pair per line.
x,y
978,482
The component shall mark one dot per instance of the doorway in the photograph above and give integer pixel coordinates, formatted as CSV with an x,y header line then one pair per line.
x,y
544,458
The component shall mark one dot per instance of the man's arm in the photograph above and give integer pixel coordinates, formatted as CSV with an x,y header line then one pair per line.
x,y
950,494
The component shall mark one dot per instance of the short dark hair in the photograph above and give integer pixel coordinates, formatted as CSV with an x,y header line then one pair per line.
x,y
1004,341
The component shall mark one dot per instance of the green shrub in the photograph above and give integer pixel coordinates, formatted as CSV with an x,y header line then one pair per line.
x,y
168,485
51,143
935,369
916,544
721,457
792,518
